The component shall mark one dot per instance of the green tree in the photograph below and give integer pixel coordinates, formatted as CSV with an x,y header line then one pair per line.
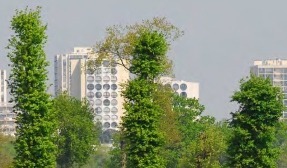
x,y
281,142
141,120
27,82
78,135
7,152
260,107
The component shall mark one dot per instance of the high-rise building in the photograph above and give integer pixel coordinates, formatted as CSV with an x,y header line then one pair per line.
x,y
183,88
276,70
3,86
101,86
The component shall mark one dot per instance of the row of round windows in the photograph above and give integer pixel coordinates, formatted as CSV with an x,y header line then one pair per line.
x,y
99,71
176,86
183,94
99,86
99,110
100,94
99,79
106,102
110,125
106,117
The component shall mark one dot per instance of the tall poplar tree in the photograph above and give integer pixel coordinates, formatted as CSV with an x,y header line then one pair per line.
x,y
254,124
27,82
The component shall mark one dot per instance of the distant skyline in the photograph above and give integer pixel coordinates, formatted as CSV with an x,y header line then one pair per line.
x,y
222,38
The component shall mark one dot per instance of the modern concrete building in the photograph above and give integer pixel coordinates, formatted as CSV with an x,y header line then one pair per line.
x,y
101,86
3,86
183,88
276,70
7,119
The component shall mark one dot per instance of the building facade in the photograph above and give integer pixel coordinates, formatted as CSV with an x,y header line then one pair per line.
x,y
3,86
100,86
183,88
276,70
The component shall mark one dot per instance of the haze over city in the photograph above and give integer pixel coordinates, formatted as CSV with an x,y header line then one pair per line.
x,y
222,38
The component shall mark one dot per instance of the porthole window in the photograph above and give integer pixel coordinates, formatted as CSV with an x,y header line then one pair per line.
x,y
114,102
90,71
91,102
106,117
98,86
113,71
114,117
106,63
98,102
106,95
114,110
183,86
98,110
106,79
98,117
114,86
90,86
90,95
175,86
113,64
98,71
106,86
98,94
106,102
183,94
107,125
114,94
90,78
113,78
114,125
98,79
106,109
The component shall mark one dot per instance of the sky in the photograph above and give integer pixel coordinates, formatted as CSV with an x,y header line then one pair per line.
x,y
222,38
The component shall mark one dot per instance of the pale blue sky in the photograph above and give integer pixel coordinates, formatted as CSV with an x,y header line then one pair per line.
x,y
222,37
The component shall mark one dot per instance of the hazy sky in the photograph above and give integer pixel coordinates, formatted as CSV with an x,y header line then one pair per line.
x,y
222,37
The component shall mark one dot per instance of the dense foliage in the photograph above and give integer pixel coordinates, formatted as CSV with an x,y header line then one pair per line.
x,y
27,82
78,135
260,107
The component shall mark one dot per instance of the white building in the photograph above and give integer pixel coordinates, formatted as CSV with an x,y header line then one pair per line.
x,y
3,86
183,88
276,70
101,86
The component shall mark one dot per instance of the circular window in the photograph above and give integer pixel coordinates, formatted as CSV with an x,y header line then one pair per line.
x,y
106,94
107,125
90,86
98,86
114,94
98,117
114,125
106,79
106,109
106,117
89,71
106,86
98,94
106,63
183,86
114,86
175,86
106,102
114,117
91,102
98,79
90,94
90,78
114,102
113,71
98,110
113,78
98,102
114,110
183,94
98,71
113,64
